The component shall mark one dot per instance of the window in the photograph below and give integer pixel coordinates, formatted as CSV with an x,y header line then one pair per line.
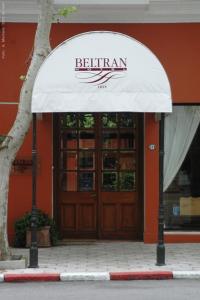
x,y
182,198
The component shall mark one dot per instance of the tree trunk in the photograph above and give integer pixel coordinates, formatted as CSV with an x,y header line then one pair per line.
x,y
10,146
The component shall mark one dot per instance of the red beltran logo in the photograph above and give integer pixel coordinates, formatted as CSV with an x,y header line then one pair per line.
x,y
98,71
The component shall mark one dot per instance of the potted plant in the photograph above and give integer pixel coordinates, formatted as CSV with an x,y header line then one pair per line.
x,y
46,230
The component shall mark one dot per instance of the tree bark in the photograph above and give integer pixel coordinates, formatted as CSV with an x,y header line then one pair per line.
x,y
16,135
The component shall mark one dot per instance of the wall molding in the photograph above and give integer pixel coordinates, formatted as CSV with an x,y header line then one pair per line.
x,y
110,11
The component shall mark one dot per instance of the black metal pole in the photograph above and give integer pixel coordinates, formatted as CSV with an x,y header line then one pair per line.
x,y
160,246
34,248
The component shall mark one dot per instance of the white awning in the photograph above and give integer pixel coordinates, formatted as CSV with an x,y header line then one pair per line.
x,y
101,72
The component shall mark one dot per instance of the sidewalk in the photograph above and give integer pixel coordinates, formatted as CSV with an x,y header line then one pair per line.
x,y
112,257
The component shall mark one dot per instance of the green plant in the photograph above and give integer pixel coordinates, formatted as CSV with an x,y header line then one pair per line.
x,y
24,223
66,11
2,138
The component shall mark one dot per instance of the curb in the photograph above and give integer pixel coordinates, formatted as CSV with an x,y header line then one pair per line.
x,y
32,277
146,275
1,278
84,276
186,274
99,276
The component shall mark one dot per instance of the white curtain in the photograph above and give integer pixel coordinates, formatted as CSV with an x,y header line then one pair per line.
x,y
180,128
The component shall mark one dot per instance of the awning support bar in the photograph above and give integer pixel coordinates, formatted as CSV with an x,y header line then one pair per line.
x,y
34,247
160,259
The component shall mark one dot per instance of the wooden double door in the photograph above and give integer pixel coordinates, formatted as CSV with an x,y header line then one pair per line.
x,y
97,178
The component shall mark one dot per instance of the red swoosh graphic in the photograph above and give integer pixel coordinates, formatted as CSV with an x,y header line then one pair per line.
x,y
99,78
108,78
105,77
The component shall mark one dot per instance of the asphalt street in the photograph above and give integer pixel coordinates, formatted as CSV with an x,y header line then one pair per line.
x,y
139,290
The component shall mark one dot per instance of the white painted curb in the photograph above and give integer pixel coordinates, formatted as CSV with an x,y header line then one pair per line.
x,y
84,276
186,274
1,278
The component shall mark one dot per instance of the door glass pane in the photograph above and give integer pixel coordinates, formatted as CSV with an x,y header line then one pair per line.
x,y
86,140
69,140
127,161
118,160
110,140
127,181
69,181
109,160
86,160
86,181
126,120
69,160
68,120
109,181
86,121
127,140
109,120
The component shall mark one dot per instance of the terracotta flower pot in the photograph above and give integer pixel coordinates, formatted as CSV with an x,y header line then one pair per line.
x,y
43,237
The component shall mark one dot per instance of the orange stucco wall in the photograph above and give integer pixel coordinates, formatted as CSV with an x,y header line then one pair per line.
x,y
176,46
21,183
151,178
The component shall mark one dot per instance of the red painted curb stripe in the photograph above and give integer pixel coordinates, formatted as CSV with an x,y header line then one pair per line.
x,y
32,277
141,275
